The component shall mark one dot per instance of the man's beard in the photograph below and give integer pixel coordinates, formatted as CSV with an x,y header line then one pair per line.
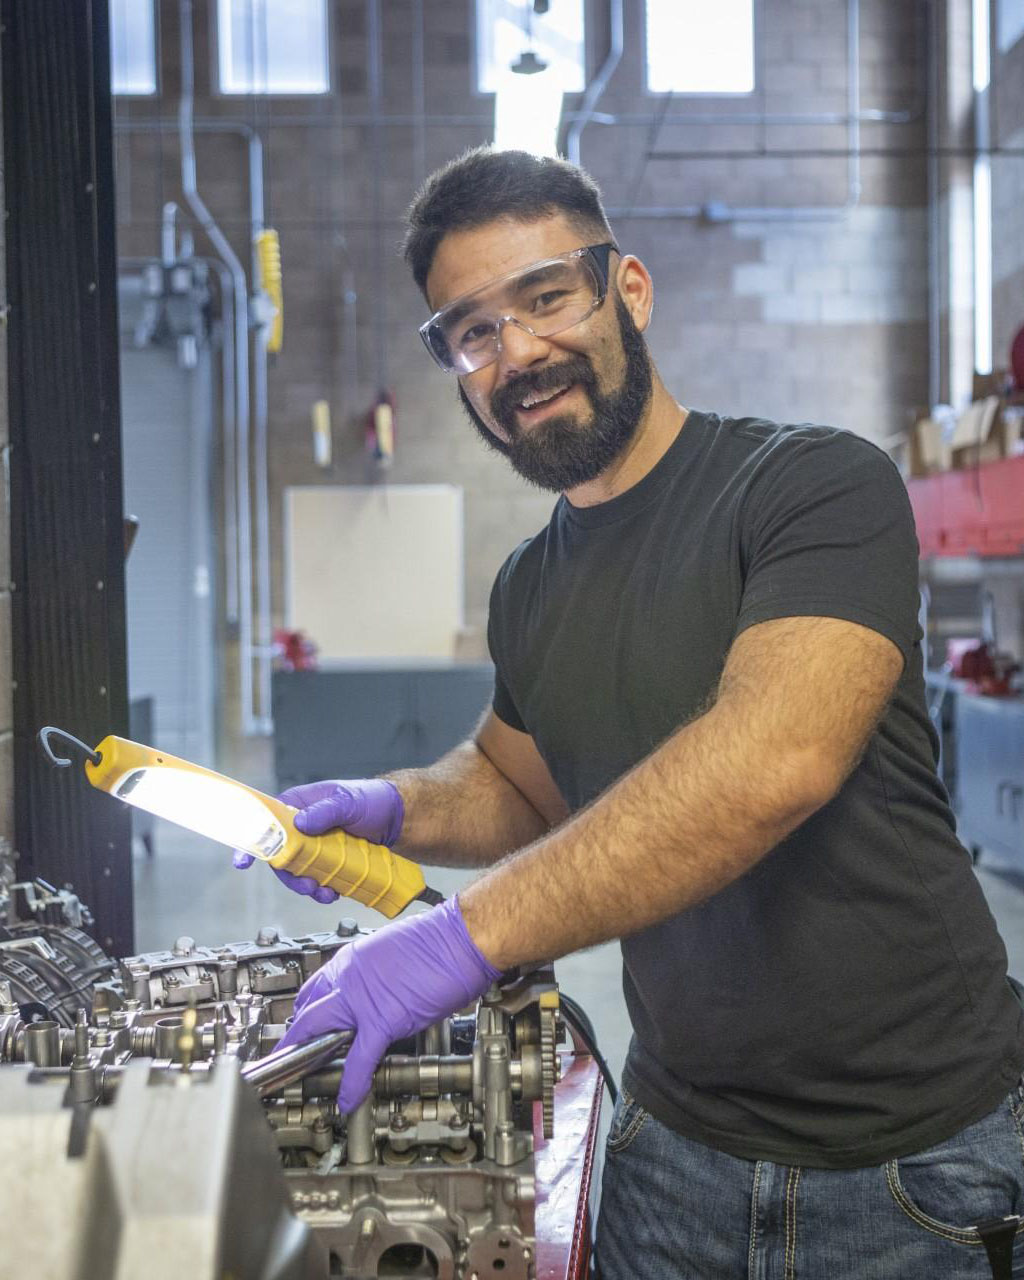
x,y
561,453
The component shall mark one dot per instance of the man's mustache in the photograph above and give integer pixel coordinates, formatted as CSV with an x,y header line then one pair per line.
x,y
507,398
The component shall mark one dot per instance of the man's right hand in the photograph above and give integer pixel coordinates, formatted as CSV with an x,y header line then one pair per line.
x,y
371,808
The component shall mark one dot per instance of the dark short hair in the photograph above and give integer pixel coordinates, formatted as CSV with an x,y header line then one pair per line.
x,y
483,184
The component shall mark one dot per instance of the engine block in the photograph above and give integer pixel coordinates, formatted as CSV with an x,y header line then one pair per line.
x,y
174,1145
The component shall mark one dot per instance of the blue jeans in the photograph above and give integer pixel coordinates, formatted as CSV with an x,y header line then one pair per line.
x,y
673,1208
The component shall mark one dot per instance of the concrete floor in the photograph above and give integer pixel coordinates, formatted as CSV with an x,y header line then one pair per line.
x,y
190,887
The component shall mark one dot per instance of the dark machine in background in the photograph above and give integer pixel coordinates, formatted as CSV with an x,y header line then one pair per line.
x,y
67,533
49,964
975,702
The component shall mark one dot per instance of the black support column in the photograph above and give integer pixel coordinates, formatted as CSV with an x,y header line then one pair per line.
x,y
67,558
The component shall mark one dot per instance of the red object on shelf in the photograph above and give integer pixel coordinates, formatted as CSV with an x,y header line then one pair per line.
x,y
986,672
294,651
564,1168
979,511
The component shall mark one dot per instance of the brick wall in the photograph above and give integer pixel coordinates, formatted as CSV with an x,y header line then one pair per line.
x,y
799,318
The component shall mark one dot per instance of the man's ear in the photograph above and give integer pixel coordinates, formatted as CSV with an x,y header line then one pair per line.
x,y
636,288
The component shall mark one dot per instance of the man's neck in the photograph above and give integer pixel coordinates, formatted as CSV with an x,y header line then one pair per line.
x,y
662,422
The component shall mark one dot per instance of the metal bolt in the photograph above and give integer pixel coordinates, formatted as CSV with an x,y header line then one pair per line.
x,y
268,936
347,927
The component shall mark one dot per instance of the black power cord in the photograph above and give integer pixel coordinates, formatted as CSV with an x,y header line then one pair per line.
x,y
580,1023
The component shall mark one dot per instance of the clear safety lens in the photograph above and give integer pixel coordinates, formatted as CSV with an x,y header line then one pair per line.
x,y
544,298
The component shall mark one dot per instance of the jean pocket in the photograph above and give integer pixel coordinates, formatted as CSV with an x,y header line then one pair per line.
x,y
976,1175
627,1121
1017,1102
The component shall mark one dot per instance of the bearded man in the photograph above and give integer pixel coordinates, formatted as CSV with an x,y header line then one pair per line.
x,y
709,739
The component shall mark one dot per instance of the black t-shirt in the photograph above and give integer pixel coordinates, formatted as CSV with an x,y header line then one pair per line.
x,y
845,1001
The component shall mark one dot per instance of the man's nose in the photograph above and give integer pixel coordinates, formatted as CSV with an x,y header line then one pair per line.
x,y
518,348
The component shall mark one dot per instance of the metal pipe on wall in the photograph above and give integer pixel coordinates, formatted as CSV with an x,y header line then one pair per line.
x,y
599,83
168,244
260,461
376,92
350,335
169,253
234,266
229,443
934,227
419,96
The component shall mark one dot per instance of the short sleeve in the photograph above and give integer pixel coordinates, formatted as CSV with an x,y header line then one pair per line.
x,y
502,703
829,531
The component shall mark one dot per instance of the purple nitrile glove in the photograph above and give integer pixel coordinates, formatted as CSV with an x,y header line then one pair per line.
x,y
388,985
371,808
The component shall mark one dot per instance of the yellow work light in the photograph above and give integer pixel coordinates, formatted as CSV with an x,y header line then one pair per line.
x,y
239,816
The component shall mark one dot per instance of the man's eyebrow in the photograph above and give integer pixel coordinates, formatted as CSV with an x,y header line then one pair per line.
x,y
537,276
532,276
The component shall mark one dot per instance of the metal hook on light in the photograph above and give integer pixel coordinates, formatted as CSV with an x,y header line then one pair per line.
x,y
49,730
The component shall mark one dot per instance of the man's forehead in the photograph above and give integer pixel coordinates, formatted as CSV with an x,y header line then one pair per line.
x,y
471,257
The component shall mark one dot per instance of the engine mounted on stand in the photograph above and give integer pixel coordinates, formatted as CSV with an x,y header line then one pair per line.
x,y
178,1142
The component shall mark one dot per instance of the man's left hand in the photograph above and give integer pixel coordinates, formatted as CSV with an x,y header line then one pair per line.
x,y
389,985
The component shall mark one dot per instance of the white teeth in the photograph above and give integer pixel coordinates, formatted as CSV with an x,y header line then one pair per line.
x,y
540,397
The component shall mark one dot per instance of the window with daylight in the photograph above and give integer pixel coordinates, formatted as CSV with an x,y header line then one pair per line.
x,y
506,30
273,46
132,47
528,55
694,47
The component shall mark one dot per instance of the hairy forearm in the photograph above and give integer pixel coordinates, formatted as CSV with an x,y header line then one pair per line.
x,y
463,812
688,820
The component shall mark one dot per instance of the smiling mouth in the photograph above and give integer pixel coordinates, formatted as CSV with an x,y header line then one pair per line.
x,y
537,402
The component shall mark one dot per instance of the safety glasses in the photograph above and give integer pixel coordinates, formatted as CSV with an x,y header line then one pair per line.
x,y
543,299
